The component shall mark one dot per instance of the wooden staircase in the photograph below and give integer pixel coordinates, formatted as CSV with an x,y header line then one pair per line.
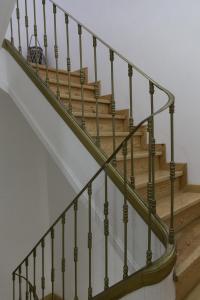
x,y
187,200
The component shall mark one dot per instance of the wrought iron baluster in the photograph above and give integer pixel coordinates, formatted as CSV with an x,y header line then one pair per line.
x,y
63,257
153,204
27,278
56,52
82,77
34,274
43,274
106,232
27,26
131,122
52,264
13,280
45,41
149,193
125,212
113,102
97,92
36,36
11,32
68,64
20,283
75,251
18,25
90,241
172,174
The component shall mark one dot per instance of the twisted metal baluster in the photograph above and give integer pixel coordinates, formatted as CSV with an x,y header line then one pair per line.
x,y
113,102
20,284
13,280
27,287
45,41
97,92
131,122
34,274
56,53
90,241
43,276
52,264
36,36
75,250
106,232
63,257
172,175
153,152
82,77
68,64
11,32
149,194
18,25
125,212
27,30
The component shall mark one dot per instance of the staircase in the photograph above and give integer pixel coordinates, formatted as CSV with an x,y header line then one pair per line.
x,y
131,155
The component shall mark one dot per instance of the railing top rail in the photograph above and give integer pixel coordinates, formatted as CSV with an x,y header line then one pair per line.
x,y
116,52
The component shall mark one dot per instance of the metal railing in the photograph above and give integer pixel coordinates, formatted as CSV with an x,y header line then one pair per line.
x,y
122,147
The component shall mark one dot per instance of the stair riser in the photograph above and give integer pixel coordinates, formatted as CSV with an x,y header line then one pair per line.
x,y
185,217
76,91
188,280
107,143
140,165
62,76
162,189
89,106
104,124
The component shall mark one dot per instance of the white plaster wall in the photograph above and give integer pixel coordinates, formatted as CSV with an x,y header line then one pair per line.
x,y
23,191
6,8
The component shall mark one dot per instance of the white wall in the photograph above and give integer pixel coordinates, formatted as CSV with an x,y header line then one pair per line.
x,y
6,8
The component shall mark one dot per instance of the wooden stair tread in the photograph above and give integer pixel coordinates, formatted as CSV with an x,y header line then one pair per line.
x,y
188,241
61,71
88,99
117,133
160,176
183,200
73,84
101,116
137,154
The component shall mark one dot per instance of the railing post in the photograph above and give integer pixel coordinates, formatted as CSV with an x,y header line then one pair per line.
x,y
56,52
45,42
13,280
82,77
27,289
131,122
20,283
52,264
153,200
68,64
43,276
113,102
11,32
125,212
97,92
75,251
34,274
63,257
149,194
172,175
26,26
18,25
36,35
90,240
106,232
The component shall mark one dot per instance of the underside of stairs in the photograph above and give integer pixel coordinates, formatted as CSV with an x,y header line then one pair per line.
x,y
187,198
